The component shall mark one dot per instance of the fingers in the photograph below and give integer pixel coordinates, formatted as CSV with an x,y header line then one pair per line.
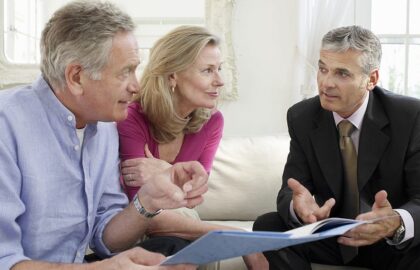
x,y
178,267
303,202
141,256
195,197
353,242
295,186
365,234
174,193
197,191
308,216
133,162
191,173
147,151
193,168
381,199
304,211
180,185
133,179
193,202
128,177
325,210
357,238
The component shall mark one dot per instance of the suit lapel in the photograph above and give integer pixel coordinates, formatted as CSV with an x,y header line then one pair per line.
x,y
372,142
325,143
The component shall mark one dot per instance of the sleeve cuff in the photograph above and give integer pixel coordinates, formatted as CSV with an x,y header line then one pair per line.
x,y
295,219
97,243
9,261
408,221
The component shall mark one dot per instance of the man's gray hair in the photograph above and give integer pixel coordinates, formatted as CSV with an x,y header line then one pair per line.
x,y
356,38
80,32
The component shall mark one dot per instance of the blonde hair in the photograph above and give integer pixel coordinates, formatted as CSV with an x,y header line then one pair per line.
x,y
174,52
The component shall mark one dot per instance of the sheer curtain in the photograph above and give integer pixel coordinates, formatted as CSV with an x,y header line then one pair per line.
x,y
219,20
316,17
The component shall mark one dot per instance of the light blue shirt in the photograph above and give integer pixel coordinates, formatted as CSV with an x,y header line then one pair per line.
x,y
54,199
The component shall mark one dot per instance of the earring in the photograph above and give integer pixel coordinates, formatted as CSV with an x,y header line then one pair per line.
x,y
173,89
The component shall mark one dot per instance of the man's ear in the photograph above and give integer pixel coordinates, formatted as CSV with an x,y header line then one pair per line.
x,y
373,79
73,74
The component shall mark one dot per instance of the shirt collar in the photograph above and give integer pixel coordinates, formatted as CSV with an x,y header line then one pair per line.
x,y
357,117
55,109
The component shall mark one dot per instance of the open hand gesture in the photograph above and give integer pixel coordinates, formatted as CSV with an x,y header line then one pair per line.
x,y
305,205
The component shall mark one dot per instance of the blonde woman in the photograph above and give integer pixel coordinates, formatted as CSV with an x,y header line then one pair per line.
x,y
174,119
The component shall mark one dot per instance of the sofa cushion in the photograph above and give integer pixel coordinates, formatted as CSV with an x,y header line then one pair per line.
x,y
246,177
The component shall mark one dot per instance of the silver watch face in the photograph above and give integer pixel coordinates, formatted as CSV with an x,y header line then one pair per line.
x,y
399,234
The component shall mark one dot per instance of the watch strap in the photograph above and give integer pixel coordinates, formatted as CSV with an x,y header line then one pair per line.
x,y
399,234
143,210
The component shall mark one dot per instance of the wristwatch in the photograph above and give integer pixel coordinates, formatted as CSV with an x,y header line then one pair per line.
x,y
142,210
398,235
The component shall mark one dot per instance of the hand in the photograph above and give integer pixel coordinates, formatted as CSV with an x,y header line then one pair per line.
x,y
255,261
305,205
138,258
137,171
370,233
181,185
132,257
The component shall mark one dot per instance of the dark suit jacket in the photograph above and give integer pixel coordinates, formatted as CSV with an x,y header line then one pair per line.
x,y
388,155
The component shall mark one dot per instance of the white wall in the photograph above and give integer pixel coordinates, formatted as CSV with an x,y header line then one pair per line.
x,y
264,38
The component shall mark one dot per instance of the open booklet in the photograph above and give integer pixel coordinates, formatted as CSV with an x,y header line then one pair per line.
x,y
220,245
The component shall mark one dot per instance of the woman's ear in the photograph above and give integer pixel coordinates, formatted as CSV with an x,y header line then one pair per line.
x,y
73,75
172,79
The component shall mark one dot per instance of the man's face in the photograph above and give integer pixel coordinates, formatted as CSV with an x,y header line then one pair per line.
x,y
341,82
107,99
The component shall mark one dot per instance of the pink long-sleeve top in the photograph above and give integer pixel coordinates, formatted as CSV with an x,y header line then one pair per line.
x,y
134,134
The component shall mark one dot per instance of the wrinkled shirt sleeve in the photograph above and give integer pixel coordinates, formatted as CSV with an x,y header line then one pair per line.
x,y
111,201
11,250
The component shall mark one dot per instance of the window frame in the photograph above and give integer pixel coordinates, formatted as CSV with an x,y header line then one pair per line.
x,y
218,18
363,17
10,73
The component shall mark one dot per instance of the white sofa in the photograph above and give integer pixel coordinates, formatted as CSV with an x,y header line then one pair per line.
x,y
244,182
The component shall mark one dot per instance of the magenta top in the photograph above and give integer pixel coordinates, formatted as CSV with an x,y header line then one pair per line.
x,y
134,133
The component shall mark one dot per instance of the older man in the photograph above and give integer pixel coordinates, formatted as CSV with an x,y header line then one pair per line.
x,y
59,187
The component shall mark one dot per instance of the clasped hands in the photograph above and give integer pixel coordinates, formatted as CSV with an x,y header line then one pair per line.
x,y
309,211
164,185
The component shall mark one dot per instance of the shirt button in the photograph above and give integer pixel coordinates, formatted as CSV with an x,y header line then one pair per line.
x,y
76,147
69,117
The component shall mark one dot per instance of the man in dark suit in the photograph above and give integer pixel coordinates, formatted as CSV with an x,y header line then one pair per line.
x,y
382,156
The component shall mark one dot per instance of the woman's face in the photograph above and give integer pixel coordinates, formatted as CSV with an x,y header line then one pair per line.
x,y
198,86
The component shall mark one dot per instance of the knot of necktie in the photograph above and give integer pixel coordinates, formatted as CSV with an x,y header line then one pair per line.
x,y
345,128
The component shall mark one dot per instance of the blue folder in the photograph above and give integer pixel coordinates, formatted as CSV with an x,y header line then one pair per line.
x,y
220,245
